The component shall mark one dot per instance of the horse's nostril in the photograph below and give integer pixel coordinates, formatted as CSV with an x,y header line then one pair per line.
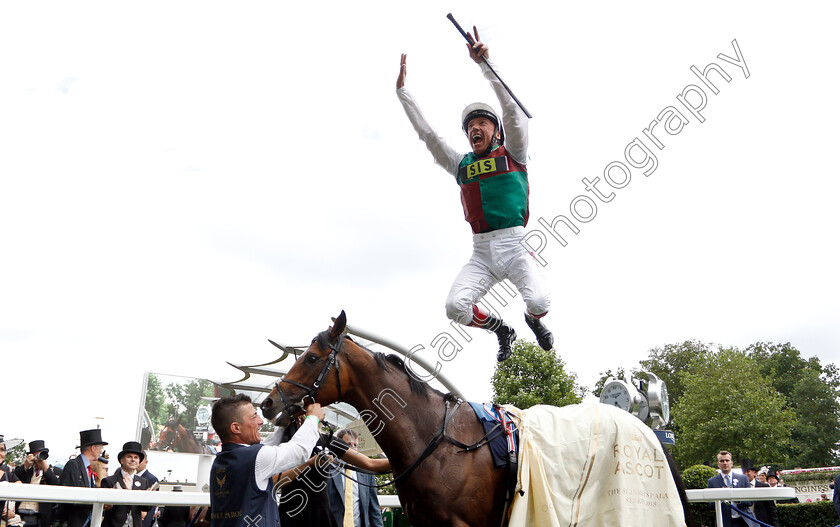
x,y
266,404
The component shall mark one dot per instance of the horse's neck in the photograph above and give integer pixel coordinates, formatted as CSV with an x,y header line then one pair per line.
x,y
402,422
188,442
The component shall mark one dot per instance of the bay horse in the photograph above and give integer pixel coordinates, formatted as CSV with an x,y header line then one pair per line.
x,y
175,437
437,485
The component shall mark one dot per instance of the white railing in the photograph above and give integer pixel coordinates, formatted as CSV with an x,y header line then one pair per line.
x,y
720,495
99,497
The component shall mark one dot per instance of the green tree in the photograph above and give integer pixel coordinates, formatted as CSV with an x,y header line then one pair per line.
x,y
186,398
724,402
671,361
816,433
16,454
782,364
811,391
156,401
534,376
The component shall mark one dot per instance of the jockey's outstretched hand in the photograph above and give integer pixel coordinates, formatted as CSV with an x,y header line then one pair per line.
x,y
401,77
478,49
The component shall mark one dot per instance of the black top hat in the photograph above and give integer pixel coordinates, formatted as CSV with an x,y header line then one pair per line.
x,y
37,446
132,447
747,464
772,474
91,437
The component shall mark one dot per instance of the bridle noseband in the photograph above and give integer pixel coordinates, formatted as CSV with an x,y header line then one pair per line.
x,y
332,360
171,441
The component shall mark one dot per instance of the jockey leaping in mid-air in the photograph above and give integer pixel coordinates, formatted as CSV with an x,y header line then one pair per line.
x,y
494,193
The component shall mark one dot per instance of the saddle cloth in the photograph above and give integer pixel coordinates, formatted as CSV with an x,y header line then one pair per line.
x,y
501,443
590,465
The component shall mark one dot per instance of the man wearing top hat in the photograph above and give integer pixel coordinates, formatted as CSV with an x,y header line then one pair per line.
x,y
126,477
773,481
765,510
78,472
36,471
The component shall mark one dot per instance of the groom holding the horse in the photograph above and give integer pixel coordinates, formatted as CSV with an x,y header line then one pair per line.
x,y
494,193
240,494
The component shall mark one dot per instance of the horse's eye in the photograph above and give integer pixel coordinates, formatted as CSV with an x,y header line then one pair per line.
x,y
312,358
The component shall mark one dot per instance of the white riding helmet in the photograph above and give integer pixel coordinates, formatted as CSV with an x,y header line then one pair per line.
x,y
479,109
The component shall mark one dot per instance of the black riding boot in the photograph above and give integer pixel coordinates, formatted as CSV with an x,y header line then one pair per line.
x,y
544,337
505,334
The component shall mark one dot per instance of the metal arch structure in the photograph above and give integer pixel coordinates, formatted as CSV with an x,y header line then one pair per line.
x,y
344,413
367,335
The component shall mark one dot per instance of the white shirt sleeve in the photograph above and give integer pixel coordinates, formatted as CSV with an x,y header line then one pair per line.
x,y
276,438
513,118
273,460
443,154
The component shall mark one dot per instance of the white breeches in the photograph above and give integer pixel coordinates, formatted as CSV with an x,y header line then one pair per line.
x,y
497,255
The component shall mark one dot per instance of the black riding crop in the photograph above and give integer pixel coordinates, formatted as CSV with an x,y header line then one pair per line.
x,y
471,41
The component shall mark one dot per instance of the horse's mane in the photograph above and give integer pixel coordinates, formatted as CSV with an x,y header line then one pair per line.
x,y
417,386
386,362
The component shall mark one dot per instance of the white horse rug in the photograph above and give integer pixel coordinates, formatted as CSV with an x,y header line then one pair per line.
x,y
590,465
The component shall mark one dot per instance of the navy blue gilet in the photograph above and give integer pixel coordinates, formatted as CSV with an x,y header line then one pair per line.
x,y
235,499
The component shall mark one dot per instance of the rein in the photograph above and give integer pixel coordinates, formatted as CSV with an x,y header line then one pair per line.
x,y
439,438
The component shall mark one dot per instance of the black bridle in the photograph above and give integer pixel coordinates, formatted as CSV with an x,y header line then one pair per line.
x,y
439,437
332,360
171,441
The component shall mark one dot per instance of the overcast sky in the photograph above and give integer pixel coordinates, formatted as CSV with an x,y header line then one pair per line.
x,y
183,180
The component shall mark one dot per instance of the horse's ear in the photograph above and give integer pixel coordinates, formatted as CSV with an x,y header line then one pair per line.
x,y
338,326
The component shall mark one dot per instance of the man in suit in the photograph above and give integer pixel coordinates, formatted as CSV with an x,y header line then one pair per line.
x,y
78,472
152,479
175,515
765,510
126,477
354,504
727,478
36,471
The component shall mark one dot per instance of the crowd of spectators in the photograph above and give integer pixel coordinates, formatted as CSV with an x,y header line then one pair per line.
x,y
745,514
344,498
87,469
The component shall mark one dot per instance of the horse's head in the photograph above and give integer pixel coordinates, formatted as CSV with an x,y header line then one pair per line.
x,y
314,377
166,439
169,434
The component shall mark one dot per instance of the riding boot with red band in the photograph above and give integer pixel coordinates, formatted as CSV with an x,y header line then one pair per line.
x,y
505,333
544,337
